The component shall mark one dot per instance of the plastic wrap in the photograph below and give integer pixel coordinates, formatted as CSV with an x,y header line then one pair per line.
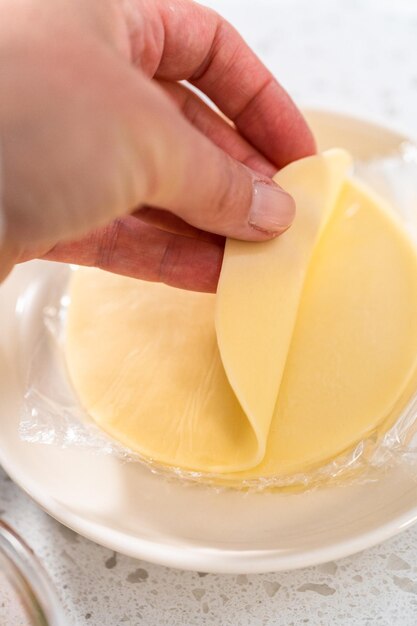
x,y
51,413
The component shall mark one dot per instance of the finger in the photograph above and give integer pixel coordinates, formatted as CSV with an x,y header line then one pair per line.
x,y
186,174
198,45
165,220
132,248
125,145
216,128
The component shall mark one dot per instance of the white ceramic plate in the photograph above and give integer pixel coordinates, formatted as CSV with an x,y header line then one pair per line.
x,y
127,508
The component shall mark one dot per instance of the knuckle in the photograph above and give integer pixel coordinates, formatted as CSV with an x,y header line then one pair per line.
x,y
106,244
226,196
169,260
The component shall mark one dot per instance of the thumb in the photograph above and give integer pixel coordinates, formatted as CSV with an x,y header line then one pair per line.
x,y
71,164
197,181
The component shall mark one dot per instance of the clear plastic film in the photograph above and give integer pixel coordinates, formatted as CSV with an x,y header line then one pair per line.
x,y
52,414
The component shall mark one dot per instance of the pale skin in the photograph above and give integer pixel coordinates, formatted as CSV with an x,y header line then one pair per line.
x,y
107,160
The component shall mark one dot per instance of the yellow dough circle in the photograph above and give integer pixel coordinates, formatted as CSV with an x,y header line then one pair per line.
x,y
309,345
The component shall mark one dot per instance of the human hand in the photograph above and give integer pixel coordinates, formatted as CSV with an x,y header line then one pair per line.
x,y
96,132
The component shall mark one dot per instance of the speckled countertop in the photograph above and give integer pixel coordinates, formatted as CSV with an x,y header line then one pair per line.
x,y
354,56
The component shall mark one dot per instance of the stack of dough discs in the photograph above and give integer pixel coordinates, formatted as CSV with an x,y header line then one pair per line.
x,y
309,345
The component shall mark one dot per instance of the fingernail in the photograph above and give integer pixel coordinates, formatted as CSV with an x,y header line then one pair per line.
x,y
272,210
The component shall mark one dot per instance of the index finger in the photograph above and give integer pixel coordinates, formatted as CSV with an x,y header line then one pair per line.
x,y
202,47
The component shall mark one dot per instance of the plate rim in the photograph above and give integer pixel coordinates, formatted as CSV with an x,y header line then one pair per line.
x,y
210,560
